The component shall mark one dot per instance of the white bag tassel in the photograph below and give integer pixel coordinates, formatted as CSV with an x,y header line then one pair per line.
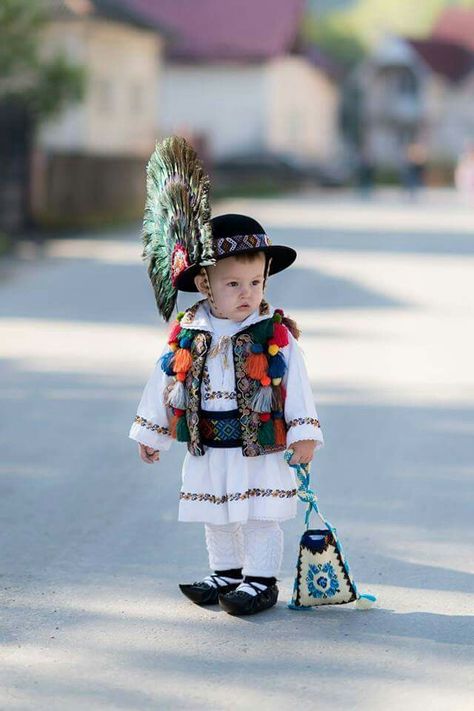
x,y
262,400
177,396
365,602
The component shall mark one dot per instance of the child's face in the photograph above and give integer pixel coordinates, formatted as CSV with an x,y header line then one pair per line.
x,y
237,286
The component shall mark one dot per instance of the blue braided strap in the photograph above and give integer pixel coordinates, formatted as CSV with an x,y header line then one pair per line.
x,y
307,496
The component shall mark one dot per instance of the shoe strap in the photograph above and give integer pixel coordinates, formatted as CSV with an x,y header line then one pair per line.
x,y
219,581
256,587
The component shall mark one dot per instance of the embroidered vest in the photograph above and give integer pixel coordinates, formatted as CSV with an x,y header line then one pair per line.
x,y
246,389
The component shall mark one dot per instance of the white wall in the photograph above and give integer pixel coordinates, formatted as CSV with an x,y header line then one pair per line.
x,y
302,112
118,114
225,103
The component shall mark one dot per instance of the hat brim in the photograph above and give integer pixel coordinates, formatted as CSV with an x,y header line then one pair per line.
x,y
282,257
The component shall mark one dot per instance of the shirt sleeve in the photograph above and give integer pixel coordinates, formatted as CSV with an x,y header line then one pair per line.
x,y
300,411
151,426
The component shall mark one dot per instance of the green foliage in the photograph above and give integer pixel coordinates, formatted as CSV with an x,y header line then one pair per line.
x,y
335,38
43,85
353,27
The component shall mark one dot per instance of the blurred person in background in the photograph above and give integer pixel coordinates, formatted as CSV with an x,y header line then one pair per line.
x,y
464,174
413,174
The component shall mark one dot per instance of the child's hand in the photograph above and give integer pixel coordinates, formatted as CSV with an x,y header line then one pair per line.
x,y
148,454
302,451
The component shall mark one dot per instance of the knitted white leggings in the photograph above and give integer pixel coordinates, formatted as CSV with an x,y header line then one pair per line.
x,y
257,546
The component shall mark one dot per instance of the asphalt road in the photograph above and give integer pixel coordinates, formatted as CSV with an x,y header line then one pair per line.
x,y
92,552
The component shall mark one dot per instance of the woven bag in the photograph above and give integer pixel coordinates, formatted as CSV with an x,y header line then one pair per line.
x,y
323,576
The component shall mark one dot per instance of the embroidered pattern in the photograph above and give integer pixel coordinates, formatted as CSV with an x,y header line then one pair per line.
x,y
209,394
304,421
199,348
322,581
220,429
237,243
150,426
238,496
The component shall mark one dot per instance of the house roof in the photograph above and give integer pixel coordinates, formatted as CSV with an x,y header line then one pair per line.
x,y
108,9
445,58
455,24
215,30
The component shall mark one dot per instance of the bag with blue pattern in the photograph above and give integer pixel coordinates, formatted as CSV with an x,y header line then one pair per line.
x,y
323,576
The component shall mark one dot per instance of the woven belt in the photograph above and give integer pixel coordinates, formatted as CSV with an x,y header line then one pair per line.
x,y
220,429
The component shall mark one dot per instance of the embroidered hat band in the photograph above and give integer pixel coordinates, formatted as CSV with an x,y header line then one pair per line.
x,y
238,243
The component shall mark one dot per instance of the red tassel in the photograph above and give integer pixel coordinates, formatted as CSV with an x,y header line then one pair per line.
x,y
256,366
173,335
182,361
280,432
280,335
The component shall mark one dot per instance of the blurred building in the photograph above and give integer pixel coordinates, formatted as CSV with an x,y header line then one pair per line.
x,y
419,90
234,79
89,161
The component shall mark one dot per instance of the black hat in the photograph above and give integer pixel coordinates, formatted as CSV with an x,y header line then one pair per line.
x,y
238,234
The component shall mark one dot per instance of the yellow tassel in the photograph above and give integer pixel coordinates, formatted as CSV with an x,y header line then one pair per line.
x,y
273,349
280,432
182,361
256,366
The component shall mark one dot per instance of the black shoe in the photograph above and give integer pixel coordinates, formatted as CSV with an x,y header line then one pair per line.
x,y
240,602
208,590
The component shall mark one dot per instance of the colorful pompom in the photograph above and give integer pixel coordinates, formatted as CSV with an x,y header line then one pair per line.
x,y
173,346
277,366
265,381
182,430
262,400
273,349
177,396
277,318
181,377
256,366
276,381
179,315
185,342
280,335
264,416
266,435
256,348
182,361
167,363
174,332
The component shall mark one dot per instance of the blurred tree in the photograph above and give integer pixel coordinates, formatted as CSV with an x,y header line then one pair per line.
x,y
344,27
35,83
41,85
335,36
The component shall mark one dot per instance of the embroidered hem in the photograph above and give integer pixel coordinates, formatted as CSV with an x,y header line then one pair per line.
x,y
238,496
303,421
150,426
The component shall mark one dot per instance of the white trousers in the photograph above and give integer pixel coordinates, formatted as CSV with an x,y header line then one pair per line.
x,y
255,546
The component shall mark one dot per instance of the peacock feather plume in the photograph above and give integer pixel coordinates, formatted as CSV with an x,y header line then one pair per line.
x,y
176,224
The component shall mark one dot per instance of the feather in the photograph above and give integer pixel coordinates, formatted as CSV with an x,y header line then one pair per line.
x,y
176,225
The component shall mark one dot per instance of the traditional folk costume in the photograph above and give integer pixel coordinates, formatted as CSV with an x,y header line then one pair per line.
x,y
236,392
